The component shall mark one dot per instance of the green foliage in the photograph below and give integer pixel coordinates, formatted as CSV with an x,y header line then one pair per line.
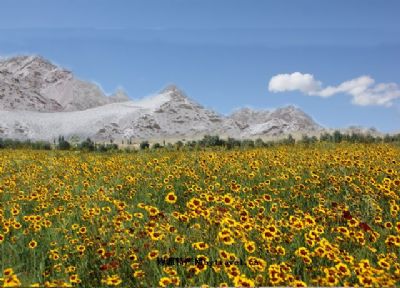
x,y
26,144
156,146
87,145
338,137
211,141
247,143
259,143
178,145
106,147
232,143
144,145
63,144
208,141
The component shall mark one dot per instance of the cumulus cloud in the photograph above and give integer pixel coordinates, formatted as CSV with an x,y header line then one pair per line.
x,y
363,90
295,81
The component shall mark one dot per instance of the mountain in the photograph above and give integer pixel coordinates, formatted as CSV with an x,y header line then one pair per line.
x,y
33,83
275,123
168,114
39,100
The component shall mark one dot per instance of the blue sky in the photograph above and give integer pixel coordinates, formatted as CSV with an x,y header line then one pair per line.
x,y
223,53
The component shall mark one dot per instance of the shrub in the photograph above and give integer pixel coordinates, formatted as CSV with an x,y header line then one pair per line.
x,y
144,145
63,144
87,145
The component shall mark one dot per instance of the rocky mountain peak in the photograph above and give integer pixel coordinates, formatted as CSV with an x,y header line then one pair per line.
x,y
22,66
33,83
119,96
290,112
175,93
170,88
36,60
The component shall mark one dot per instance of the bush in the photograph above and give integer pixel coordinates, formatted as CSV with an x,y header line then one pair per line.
x,y
259,142
63,144
156,146
211,141
232,143
247,143
87,145
41,145
337,136
106,147
144,145
178,145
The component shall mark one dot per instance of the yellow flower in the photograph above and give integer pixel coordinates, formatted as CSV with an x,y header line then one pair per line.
x,y
193,270
164,281
384,264
74,279
256,264
280,250
8,272
171,198
299,283
155,236
101,251
200,245
153,211
106,209
343,269
267,197
170,271
80,248
242,281
70,269
153,254
139,274
269,232
12,281
302,252
82,230
175,280
32,244
227,240
250,246
113,280
397,227
180,239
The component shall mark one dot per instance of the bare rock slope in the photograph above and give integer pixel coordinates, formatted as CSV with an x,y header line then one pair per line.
x,y
274,123
35,84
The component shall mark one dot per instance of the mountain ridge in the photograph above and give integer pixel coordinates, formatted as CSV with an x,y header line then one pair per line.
x,y
40,101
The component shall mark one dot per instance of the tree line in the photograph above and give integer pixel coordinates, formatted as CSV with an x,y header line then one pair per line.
x,y
205,142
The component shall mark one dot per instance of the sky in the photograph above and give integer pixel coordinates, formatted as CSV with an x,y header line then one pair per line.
x,y
336,60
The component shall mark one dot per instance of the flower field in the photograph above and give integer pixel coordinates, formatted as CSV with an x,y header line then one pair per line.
x,y
324,215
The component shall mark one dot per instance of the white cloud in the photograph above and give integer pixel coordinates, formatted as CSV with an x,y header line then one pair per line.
x,y
363,90
295,81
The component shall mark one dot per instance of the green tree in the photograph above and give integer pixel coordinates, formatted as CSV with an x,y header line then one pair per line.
x,y
63,144
87,145
144,145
